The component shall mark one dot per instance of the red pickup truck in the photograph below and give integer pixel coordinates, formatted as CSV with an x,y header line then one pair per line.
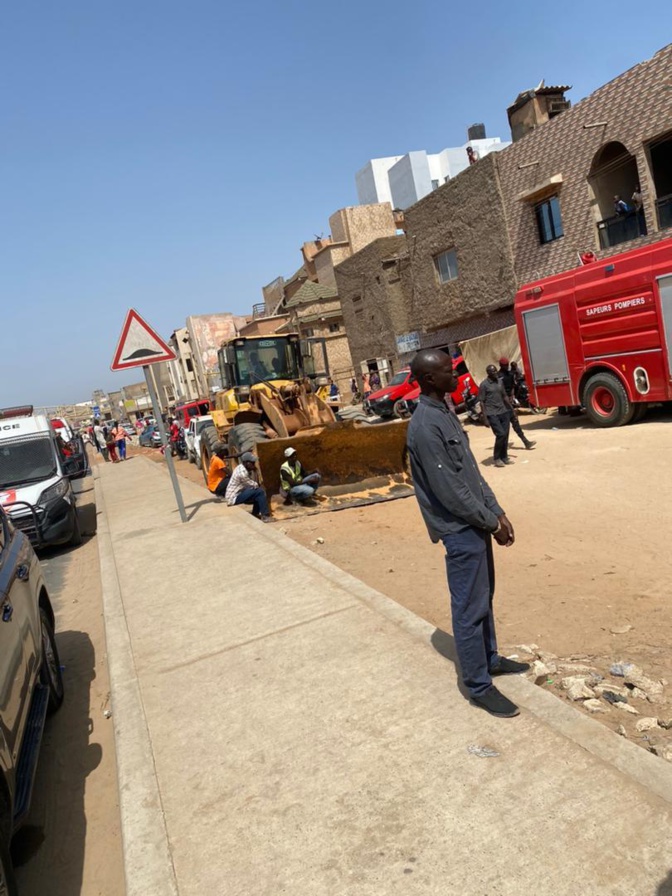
x,y
402,387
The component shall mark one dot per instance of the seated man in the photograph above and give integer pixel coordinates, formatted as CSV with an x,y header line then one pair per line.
x,y
295,486
243,488
218,472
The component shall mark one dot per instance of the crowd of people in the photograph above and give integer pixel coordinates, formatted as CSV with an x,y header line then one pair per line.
x,y
242,486
109,439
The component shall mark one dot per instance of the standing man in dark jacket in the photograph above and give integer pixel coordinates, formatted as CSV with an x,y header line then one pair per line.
x,y
507,376
460,510
496,409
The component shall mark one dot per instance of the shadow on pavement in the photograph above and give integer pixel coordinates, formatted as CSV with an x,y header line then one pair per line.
x,y
54,835
192,509
444,644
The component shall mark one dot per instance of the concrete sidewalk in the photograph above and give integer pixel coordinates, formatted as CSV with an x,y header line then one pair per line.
x,y
283,728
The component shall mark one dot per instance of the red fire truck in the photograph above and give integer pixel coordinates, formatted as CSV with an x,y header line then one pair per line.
x,y
600,335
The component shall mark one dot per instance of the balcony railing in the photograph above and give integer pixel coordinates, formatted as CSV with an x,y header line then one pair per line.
x,y
664,209
621,228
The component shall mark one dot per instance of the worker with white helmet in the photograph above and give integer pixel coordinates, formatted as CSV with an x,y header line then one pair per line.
x,y
295,485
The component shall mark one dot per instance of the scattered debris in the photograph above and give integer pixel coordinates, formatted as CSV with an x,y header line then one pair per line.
x,y
577,668
667,724
627,708
594,705
637,692
620,670
635,677
319,540
662,750
646,724
621,730
612,697
108,713
576,687
620,629
482,752
540,672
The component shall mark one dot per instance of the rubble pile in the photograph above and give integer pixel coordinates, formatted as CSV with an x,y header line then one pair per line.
x,y
620,694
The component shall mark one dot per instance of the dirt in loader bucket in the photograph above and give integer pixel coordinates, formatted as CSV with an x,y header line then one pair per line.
x,y
359,463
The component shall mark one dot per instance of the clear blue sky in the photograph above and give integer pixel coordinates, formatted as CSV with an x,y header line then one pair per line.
x,y
173,156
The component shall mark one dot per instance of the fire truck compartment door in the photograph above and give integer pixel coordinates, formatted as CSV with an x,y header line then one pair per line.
x,y
665,288
546,345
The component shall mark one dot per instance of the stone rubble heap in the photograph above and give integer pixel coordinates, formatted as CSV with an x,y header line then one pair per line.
x,y
624,690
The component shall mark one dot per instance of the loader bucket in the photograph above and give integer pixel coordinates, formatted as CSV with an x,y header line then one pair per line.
x,y
360,463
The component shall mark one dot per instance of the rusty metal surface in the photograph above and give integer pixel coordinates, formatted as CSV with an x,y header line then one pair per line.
x,y
329,503
346,454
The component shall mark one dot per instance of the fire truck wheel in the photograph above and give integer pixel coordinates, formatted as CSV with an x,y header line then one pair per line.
x,y
640,411
606,401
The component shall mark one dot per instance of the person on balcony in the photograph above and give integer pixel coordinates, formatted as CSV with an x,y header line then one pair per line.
x,y
637,198
621,207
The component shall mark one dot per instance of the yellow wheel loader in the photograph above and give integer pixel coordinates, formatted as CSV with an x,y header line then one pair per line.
x,y
268,403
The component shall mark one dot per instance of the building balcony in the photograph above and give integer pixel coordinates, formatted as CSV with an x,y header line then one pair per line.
x,y
664,210
621,228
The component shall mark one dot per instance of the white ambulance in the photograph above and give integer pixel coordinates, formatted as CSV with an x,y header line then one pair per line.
x,y
36,469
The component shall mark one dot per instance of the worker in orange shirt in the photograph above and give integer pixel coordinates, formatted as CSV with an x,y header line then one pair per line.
x,y
218,472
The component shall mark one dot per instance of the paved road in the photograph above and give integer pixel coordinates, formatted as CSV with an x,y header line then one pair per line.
x,y
71,838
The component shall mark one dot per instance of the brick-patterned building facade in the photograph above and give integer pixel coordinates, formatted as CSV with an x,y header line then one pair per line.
x,y
616,138
528,212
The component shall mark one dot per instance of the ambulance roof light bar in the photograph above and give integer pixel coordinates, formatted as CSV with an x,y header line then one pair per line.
x,y
25,410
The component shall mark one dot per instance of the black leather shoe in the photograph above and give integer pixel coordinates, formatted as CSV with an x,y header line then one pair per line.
x,y
529,445
509,667
496,703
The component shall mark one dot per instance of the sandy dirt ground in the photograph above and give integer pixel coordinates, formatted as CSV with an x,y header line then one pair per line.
x,y
71,843
591,513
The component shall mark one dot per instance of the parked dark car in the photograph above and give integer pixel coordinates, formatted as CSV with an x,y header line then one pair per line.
x,y
31,685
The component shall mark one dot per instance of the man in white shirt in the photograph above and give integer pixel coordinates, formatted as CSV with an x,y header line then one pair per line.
x,y
243,488
101,441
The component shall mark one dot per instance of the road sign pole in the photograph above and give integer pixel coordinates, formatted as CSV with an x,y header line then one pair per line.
x,y
169,460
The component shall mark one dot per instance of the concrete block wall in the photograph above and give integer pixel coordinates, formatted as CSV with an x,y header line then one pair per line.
x,y
374,290
466,214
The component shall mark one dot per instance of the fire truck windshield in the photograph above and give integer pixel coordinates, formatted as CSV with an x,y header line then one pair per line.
x,y
266,359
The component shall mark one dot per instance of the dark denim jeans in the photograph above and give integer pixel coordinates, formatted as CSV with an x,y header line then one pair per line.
x,y
501,424
257,498
471,582
220,491
516,427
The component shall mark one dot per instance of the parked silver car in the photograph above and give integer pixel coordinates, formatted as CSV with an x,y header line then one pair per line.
x,y
31,684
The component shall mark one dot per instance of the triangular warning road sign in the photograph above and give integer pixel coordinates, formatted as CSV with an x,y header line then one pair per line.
x,y
139,344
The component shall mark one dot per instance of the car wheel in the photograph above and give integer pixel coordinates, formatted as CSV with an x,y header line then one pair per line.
x,y
197,460
191,457
50,670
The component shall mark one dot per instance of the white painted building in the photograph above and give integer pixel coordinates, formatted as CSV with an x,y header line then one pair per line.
x,y
403,180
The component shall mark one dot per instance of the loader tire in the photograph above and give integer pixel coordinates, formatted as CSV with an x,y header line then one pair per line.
x,y
209,439
244,437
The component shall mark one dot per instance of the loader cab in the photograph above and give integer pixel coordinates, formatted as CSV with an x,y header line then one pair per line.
x,y
245,362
